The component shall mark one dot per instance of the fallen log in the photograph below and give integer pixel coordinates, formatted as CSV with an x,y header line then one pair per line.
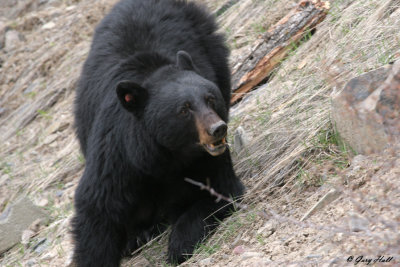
x,y
275,45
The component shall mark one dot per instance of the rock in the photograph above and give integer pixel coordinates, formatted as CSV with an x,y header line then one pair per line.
x,y
239,250
48,25
26,236
313,256
43,202
50,139
70,8
268,229
206,262
41,245
17,218
49,256
251,254
12,40
31,262
57,126
54,144
31,88
37,225
3,29
240,139
59,193
366,113
357,223
2,110
357,161
70,260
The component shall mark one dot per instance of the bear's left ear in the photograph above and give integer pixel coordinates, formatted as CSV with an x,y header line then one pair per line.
x,y
132,96
184,61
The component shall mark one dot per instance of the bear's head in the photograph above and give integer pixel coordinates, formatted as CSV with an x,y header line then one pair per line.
x,y
180,109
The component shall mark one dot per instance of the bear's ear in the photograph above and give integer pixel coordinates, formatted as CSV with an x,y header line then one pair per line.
x,y
131,95
184,61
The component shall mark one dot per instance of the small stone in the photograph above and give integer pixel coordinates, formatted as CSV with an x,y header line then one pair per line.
x,y
357,160
57,127
36,225
264,261
239,250
50,139
251,254
357,223
48,25
3,29
2,110
69,184
286,241
240,139
12,40
49,256
26,236
59,193
312,256
31,88
268,229
205,262
31,262
43,202
339,237
41,245
70,260
54,144
70,8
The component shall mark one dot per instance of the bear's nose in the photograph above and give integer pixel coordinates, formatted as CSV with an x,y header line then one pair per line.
x,y
218,129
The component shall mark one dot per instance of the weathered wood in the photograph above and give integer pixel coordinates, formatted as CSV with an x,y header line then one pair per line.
x,y
275,45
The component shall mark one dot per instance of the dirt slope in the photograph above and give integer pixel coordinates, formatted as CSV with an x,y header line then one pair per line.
x,y
293,159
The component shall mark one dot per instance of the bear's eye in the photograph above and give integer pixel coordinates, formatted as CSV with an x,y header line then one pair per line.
x,y
210,100
185,109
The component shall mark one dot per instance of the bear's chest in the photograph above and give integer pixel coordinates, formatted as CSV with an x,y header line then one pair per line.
x,y
162,201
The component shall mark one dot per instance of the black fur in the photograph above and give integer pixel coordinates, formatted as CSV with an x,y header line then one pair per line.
x,y
139,149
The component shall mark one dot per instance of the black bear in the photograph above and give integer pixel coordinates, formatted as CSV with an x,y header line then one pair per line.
x,y
151,109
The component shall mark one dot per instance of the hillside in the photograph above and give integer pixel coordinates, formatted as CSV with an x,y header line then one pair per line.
x,y
292,159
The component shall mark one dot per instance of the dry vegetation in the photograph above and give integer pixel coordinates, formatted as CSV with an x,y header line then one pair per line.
x,y
294,157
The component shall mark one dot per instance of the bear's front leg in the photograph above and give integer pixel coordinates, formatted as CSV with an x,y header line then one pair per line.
x,y
190,229
98,240
201,218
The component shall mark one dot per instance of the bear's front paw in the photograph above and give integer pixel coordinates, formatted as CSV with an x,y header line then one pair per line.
x,y
179,250
177,256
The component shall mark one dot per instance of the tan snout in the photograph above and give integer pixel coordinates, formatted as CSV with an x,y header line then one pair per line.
x,y
212,132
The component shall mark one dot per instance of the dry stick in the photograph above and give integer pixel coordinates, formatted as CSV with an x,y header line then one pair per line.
x,y
215,193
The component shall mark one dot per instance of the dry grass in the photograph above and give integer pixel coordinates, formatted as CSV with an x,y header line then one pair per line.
x,y
288,119
286,115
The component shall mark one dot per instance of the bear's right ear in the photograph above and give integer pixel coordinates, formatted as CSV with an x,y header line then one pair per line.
x,y
131,95
184,61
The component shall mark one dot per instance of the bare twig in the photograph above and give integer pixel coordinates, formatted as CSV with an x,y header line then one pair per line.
x,y
215,193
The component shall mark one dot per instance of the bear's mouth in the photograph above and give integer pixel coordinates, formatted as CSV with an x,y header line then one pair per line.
x,y
216,148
